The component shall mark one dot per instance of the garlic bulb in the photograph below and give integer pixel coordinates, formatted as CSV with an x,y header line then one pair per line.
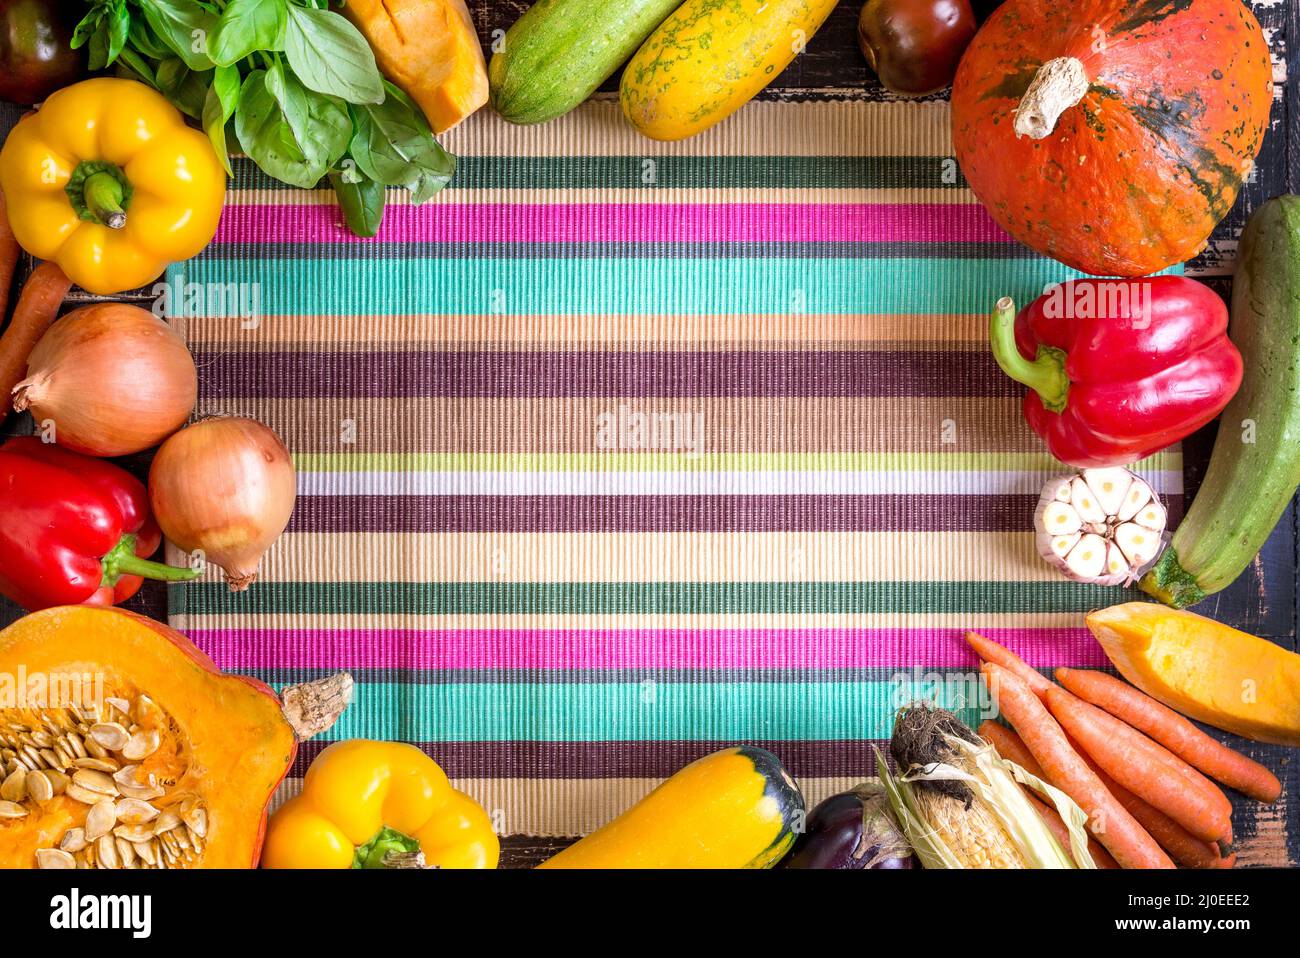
x,y
1100,525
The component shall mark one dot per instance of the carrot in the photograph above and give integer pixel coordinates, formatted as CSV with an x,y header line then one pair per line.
x,y
1109,821
1172,731
38,307
1150,771
991,651
8,258
1008,744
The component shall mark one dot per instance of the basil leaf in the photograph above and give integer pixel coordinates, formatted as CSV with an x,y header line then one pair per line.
x,y
320,124
119,26
185,88
246,26
266,137
130,60
218,107
87,27
97,49
361,200
185,28
146,43
330,55
394,145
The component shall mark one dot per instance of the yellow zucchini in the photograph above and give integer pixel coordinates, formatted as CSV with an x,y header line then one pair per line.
x,y
710,58
737,808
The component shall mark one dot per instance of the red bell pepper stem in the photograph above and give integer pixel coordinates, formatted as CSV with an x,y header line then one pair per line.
x,y
1045,374
122,560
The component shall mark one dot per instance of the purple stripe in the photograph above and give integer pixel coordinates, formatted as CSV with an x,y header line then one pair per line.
x,y
570,760
625,223
657,649
676,374
594,513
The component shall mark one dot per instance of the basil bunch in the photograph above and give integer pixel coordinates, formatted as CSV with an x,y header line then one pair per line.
x,y
290,83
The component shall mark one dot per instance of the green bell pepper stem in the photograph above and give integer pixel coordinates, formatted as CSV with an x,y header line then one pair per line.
x,y
1045,374
104,194
122,560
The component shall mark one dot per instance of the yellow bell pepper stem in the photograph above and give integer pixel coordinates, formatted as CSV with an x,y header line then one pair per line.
x,y
102,194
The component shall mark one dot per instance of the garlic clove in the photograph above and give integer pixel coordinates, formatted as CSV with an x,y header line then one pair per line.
x,y
1087,560
1117,566
1138,543
1085,502
1109,486
1060,518
1152,516
1138,495
1060,546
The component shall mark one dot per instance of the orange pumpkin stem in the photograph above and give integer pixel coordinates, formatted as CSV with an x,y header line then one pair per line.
x,y
1044,374
1058,85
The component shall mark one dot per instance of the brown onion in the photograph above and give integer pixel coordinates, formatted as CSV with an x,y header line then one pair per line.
x,y
224,486
112,378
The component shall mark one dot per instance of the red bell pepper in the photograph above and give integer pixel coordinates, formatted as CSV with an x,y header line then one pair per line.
x,y
1118,369
73,530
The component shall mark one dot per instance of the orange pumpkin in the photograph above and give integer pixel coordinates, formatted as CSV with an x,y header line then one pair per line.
x,y
1112,135
123,745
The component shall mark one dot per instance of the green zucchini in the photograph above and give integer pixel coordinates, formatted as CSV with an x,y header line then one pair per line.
x,y
560,51
1255,466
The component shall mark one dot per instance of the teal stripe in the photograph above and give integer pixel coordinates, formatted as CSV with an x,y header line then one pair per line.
x,y
640,598
680,172
821,286
644,711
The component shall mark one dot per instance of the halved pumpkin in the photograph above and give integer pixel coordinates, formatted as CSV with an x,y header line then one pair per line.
x,y
123,745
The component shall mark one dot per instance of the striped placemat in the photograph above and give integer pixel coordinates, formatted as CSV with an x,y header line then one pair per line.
x,y
620,452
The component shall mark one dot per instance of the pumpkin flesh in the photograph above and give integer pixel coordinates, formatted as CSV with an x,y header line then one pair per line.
x,y
1133,177
224,743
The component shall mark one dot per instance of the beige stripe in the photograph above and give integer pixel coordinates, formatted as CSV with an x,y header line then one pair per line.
x,y
895,424
663,196
635,620
397,333
762,128
657,557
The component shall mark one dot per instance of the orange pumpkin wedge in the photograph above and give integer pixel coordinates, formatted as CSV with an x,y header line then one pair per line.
x,y
430,49
124,745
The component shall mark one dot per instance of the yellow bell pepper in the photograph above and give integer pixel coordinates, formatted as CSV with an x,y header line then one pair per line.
x,y
377,805
107,181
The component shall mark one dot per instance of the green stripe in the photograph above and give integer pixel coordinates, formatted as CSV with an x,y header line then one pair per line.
x,y
647,711
681,172
708,462
817,286
639,598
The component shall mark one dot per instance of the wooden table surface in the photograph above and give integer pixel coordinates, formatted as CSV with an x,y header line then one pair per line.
x,y
1263,601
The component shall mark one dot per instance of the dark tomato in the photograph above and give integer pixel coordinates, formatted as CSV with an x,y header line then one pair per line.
x,y
914,45
35,56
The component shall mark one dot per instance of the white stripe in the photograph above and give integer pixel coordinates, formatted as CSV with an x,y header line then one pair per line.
x,y
819,483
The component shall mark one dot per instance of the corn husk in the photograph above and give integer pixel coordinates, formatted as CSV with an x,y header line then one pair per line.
x,y
996,784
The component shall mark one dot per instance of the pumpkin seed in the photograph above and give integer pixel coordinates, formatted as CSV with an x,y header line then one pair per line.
x,y
74,840
110,735
106,852
40,787
125,852
145,850
141,745
14,788
54,858
132,811
196,820
100,820
11,810
167,820
83,795
105,765
58,780
134,833
95,780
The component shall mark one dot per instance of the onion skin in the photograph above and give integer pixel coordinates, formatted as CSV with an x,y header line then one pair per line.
x,y
113,378
224,486
833,838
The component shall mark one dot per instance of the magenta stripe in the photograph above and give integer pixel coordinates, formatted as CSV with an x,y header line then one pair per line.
x,y
635,649
628,222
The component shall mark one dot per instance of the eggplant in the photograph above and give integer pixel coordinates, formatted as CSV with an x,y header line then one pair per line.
x,y
850,831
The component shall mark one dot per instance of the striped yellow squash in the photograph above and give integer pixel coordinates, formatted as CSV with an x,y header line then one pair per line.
x,y
710,58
